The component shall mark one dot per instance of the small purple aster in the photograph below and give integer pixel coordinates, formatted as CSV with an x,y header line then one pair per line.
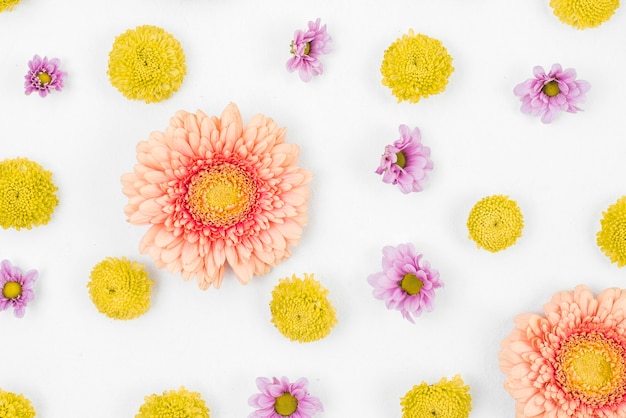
x,y
407,282
280,398
17,288
407,162
306,48
43,76
547,94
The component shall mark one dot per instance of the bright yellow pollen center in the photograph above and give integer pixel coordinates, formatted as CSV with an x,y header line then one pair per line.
x,y
411,284
12,290
551,89
400,159
44,77
286,404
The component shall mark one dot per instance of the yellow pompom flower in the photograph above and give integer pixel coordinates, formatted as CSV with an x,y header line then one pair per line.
x,y
416,66
301,310
495,223
174,404
27,194
120,288
15,406
446,399
583,14
7,5
612,236
146,63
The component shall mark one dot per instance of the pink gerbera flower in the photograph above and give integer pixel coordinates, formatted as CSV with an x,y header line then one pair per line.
x,y
43,76
306,48
214,192
407,282
17,288
569,362
548,94
280,398
407,162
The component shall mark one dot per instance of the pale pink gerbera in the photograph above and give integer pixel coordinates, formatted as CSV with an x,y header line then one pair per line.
x,y
281,398
407,282
214,192
548,94
569,362
307,47
16,288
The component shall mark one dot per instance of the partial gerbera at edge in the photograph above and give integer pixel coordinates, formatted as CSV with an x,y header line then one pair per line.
x,y
214,192
282,398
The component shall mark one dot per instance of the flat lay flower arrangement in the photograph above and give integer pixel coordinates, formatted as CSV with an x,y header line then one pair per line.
x,y
201,218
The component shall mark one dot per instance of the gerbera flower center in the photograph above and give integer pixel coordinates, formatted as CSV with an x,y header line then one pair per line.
x,y
44,77
286,404
411,284
400,159
221,196
307,48
551,88
12,290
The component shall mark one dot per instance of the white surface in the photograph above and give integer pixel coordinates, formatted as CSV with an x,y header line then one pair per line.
x,y
73,362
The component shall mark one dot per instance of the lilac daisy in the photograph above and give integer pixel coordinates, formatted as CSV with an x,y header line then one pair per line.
x,y
547,94
306,48
280,398
17,288
407,282
407,162
43,76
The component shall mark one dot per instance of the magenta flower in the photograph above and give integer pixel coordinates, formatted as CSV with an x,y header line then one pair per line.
x,y
17,288
306,48
44,75
407,282
406,162
547,94
280,398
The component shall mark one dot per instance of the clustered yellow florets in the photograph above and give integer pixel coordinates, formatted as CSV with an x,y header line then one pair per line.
x,y
174,404
583,14
7,5
416,66
15,406
147,63
120,288
446,399
495,223
612,236
301,310
27,194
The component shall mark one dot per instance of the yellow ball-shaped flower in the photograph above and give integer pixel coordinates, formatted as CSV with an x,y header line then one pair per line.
x,y
7,5
15,406
612,236
495,223
174,404
445,399
583,14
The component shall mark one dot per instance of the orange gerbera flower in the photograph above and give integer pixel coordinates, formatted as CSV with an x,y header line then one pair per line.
x,y
571,361
214,192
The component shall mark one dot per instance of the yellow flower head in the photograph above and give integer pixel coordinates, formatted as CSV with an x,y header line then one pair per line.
x,y
416,66
446,399
174,404
146,63
7,5
583,14
120,288
15,406
27,194
612,236
301,310
495,223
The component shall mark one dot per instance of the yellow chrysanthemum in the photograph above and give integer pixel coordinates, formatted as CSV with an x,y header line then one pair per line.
x,y
27,194
7,5
301,310
416,66
146,63
583,14
446,399
15,406
612,236
174,404
120,288
495,223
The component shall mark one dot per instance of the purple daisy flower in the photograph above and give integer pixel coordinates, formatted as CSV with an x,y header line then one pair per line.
x,y
306,48
548,94
407,162
17,288
407,282
280,398
43,76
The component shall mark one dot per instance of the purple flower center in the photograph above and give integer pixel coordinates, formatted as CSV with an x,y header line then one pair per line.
x,y
44,77
12,290
400,159
411,284
551,88
286,404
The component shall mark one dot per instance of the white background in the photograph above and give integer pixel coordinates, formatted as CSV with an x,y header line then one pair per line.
x,y
73,362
